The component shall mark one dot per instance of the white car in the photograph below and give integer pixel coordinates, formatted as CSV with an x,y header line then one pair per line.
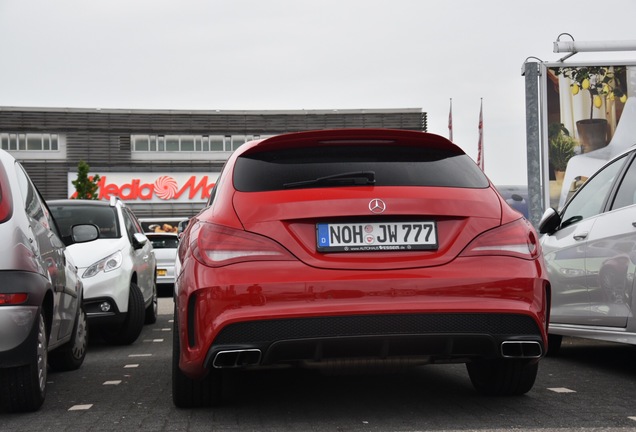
x,y
161,224
118,270
165,246
590,254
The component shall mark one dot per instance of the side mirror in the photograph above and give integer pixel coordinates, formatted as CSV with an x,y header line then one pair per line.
x,y
550,221
139,240
84,233
182,226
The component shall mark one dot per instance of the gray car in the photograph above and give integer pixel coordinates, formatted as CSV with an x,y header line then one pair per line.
x,y
590,253
41,318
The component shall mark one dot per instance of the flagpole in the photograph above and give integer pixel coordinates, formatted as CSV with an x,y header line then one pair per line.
x,y
480,143
450,121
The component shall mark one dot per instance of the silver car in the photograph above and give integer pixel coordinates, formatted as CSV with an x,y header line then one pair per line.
x,y
590,252
41,318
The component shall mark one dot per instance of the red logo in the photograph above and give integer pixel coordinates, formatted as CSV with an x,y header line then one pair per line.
x,y
164,187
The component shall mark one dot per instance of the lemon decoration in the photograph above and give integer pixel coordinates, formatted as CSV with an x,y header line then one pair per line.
x,y
602,84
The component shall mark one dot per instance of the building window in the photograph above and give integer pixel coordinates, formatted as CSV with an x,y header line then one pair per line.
x,y
34,146
30,142
142,145
216,142
147,147
172,143
188,143
237,141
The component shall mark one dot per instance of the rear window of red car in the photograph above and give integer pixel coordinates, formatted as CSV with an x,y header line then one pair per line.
x,y
391,165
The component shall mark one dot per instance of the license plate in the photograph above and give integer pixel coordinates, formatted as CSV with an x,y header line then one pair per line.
x,y
377,236
162,272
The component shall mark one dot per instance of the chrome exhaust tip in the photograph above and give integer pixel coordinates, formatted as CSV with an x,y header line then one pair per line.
x,y
521,349
237,358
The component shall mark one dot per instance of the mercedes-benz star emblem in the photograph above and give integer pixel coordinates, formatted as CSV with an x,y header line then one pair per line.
x,y
377,206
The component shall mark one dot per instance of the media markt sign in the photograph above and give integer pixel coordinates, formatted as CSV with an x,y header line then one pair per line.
x,y
151,187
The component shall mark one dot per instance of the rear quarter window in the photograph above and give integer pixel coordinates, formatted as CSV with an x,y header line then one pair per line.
x,y
393,166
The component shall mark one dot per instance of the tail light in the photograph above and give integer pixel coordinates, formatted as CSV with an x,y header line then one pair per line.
x,y
517,239
6,203
13,299
217,246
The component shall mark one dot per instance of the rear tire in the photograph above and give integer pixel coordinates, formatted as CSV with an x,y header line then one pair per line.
x,y
71,355
188,392
503,377
134,322
23,388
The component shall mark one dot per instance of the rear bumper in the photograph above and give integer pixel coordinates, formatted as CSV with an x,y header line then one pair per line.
x,y
18,330
18,334
165,274
427,338
296,315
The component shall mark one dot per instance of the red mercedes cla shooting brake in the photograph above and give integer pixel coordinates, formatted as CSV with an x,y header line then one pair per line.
x,y
355,249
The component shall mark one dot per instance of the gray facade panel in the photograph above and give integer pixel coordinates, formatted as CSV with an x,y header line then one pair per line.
x,y
49,176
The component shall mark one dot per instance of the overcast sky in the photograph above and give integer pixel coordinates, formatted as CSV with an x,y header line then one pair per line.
x,y
297,54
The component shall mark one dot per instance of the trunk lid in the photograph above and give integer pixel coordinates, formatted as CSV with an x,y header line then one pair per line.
x,y
290,216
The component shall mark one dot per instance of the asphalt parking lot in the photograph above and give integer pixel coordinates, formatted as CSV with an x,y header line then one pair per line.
x,y
590,387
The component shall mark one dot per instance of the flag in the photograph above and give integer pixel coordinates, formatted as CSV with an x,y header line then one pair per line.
x,y
480,143
450,121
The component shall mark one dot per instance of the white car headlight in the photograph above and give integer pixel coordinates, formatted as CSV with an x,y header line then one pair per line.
x,y
107,264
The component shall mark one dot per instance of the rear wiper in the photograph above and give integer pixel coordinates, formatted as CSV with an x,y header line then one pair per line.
x,y
356,178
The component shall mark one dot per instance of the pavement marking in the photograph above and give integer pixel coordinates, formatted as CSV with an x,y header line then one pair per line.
x,y
561,390
80,407
114,382
632,418
128,366
153,340
162,329
139,355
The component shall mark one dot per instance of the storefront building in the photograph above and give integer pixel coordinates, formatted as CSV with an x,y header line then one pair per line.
x,y
162,163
